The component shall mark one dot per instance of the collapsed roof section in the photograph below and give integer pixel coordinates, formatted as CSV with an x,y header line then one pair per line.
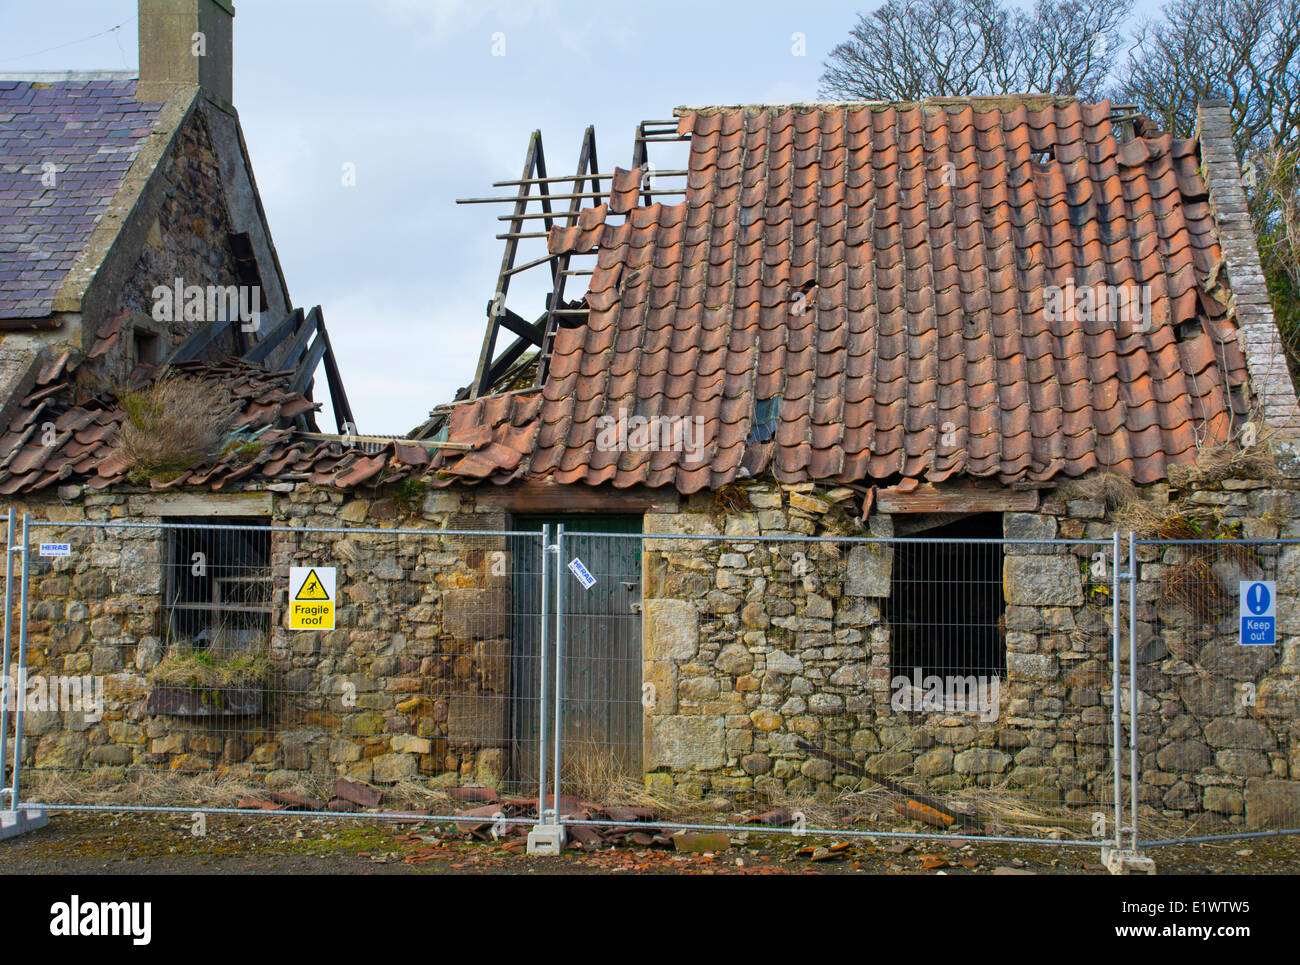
x,y
864,293
59,433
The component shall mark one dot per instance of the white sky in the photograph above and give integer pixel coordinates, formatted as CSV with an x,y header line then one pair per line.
x,y
411,93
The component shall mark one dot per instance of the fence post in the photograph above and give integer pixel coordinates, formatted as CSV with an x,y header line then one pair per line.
x,y
15,799
5,684
542,692
547,836
1116,722
1132,683
559,667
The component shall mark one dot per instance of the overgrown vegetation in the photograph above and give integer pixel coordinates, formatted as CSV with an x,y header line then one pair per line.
x,y
207,670
409,495
172,425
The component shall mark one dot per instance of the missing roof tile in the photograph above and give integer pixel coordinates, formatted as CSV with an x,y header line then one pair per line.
x,y
767,413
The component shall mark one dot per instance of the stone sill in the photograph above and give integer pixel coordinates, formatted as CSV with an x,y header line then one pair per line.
x,y
175,701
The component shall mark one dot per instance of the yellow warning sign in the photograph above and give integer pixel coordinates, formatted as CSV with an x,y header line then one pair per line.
x,y
311,597
312,589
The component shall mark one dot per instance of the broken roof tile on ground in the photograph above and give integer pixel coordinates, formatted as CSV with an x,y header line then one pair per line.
x,y
862,293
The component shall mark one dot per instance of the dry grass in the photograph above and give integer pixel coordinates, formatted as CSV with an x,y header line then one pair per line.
x,y
594,773
1215,463
1112,490
206,670
172,425
147,787
143,786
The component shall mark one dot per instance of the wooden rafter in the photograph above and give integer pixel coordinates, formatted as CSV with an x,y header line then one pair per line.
x,y
588,164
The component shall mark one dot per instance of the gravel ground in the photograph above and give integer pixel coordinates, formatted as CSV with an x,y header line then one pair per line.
x,y
122,843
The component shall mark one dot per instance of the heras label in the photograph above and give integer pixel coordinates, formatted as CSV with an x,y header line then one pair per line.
x,y
582,573
311,597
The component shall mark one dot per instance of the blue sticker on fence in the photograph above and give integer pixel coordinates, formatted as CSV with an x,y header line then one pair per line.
x,y
56,549
582,573
1258,612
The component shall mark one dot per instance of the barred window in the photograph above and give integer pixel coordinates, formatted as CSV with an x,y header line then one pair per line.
x,y
218,583
946,602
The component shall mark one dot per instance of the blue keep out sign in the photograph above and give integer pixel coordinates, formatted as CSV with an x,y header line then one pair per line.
x,y
1258,612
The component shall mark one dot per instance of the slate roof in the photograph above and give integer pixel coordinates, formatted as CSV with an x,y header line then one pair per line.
x,y
89,132
920,242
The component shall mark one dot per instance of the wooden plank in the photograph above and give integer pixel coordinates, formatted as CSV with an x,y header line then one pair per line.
x,y
959,498
482,382
536,496
384,440
307,367
204,336
274,337
343,417
301,338
520,326
201,504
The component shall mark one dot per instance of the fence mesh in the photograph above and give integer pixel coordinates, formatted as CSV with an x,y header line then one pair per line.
x,y
885,686
882,686
162,667
1218,707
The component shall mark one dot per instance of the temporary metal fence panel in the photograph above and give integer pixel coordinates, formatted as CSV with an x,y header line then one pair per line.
x,y
877,686
184,665
1217,678
872,686
8,661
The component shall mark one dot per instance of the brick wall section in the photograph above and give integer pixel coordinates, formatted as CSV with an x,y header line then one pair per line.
x,y
1258,334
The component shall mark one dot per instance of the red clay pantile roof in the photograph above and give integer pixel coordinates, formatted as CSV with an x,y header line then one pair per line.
x,y
872,281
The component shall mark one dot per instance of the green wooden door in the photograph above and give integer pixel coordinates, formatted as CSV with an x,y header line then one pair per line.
x,y
601,692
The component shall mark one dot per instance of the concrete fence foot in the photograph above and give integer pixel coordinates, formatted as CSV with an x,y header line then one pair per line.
x,y
20,821
1124,862
546,839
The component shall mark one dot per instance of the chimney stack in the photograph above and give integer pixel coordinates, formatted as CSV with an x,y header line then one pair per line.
x,y
185,43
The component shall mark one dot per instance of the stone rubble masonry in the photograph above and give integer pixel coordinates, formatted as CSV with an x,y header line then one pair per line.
x,y
748,647
1257,331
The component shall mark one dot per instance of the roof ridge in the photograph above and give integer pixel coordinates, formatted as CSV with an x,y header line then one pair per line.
x,y
989,100
67,76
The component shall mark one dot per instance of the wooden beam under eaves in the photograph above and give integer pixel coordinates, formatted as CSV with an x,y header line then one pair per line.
x,y
960,497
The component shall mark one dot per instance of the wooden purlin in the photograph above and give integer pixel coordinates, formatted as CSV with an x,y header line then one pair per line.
x,y
534,166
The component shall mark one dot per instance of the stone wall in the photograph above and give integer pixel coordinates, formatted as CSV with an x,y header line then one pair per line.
x,y
748,655
414,682
189,240
756,646
751,646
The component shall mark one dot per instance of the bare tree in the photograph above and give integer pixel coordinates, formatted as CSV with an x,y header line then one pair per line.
x,y
910,49
1246,51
